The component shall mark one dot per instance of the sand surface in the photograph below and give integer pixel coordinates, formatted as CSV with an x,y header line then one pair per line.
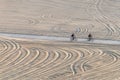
x,y
61,18
26,55
52,60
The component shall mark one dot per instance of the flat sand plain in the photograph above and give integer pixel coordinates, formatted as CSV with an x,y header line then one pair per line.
x,y
61,18
52,60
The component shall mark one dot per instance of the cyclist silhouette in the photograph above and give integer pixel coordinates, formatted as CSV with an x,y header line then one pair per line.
x,y
72,37
89,37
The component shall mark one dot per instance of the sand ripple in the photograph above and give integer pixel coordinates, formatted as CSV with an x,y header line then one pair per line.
x,y
20,62
61,18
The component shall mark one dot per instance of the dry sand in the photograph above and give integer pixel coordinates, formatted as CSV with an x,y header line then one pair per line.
x,y
61,18
26,59
47,60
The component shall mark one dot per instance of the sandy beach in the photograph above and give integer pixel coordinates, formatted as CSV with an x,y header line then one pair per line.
x,y
35,45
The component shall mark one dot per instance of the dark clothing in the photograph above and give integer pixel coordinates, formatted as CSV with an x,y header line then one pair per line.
x,y
73,36
89,37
